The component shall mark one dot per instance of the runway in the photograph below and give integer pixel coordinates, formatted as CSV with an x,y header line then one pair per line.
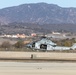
x,y
21,68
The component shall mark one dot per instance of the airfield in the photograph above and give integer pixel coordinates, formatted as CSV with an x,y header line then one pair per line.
x,y
37,56
21,68
44,63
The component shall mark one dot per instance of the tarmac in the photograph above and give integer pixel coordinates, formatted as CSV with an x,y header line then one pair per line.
x,y
33,63
37,56
20,68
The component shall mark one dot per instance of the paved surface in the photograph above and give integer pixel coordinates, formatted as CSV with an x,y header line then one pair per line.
x,y
39,55
17,68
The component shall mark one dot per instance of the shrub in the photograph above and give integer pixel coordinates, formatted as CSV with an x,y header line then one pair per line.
x,y
6,44
19,44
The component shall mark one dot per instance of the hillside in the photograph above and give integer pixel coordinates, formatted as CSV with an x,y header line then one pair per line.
x,y
37,17
28,28
41,13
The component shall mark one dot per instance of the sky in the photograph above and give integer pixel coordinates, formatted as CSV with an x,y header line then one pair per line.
x,y
62,3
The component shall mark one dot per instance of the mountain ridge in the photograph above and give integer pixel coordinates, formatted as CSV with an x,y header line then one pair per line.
x,y
41,13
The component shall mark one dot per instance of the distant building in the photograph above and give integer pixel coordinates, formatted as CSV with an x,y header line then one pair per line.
x,y
59,36
21,35
56,33
33,34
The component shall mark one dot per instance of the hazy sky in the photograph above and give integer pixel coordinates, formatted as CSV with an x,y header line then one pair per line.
x,y
63,3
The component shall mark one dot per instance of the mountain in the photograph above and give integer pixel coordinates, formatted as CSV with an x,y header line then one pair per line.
x,y
37,17
41,13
